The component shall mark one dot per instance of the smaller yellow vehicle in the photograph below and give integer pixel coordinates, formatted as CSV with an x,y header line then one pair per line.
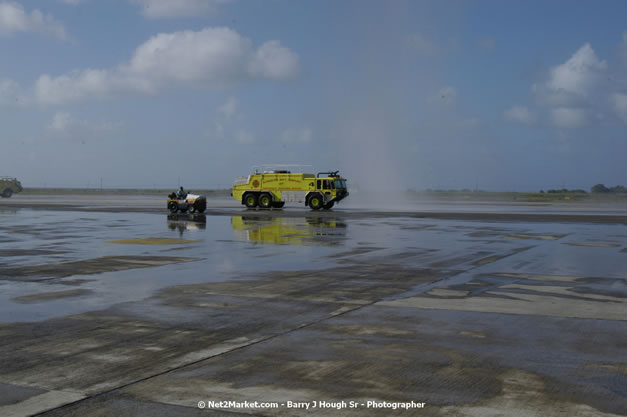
x,y
274,188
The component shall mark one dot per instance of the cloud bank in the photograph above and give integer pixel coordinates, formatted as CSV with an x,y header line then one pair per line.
x,y
162,9
212,57
576,93
14,19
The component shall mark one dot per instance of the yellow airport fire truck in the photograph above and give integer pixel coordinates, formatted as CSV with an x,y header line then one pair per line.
x,y
273,188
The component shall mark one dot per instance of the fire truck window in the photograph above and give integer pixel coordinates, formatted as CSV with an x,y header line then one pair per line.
x,y
325,184
319,184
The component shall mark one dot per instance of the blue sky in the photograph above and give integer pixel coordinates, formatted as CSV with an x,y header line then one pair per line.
x,y
405,94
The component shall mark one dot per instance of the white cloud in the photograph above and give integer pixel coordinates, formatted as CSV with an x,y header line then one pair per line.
x,y
214,57
580,74
519,114
297,136
577,92
421,44
274,61
14,19
568,118
81,84
228,122
229,108
218,131
447,95
619,103
60,122
64,125
156,9
9,92
244,137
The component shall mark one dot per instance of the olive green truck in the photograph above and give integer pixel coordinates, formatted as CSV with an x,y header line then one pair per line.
x,y
8,186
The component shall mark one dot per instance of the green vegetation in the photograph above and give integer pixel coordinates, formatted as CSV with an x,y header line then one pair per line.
x,y
549,196
600,188
565,190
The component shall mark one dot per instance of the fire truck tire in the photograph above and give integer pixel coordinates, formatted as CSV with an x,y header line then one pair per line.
x,y
329,205
315,202
7,193
250,200
192,209
173,207
278,204
264,200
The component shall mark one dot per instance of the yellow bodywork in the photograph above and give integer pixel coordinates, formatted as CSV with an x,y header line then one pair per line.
x,y
290,187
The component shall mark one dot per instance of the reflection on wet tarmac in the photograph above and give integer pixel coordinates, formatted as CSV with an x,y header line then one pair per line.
x,y
186,221
289,230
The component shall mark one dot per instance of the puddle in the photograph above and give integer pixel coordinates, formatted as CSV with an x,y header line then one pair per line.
x,y
538,237
152,241
119,257
60,249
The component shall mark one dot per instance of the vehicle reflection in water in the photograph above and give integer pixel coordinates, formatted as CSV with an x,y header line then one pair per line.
x,y
184,222
325,231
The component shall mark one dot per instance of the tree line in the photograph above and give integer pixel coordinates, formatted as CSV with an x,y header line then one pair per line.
x,y
596,189
600,188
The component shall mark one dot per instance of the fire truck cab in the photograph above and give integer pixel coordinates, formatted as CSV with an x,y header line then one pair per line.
x,y
273,188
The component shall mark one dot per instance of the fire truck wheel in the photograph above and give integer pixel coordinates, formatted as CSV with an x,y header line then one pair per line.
x,y
329,205
250,200
278,204
173,207
265,201
315,202
192,209
7,193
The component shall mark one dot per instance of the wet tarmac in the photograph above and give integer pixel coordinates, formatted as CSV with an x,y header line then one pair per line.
x,y
106,312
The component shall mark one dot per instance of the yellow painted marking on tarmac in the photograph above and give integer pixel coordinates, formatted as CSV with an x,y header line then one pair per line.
x,y
520,304
477,335
445,292
48,296
593,245
153,241
488,260
549,289
539,277
533,236
618,368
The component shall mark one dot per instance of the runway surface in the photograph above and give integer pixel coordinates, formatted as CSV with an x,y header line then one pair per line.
x,y
112,308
